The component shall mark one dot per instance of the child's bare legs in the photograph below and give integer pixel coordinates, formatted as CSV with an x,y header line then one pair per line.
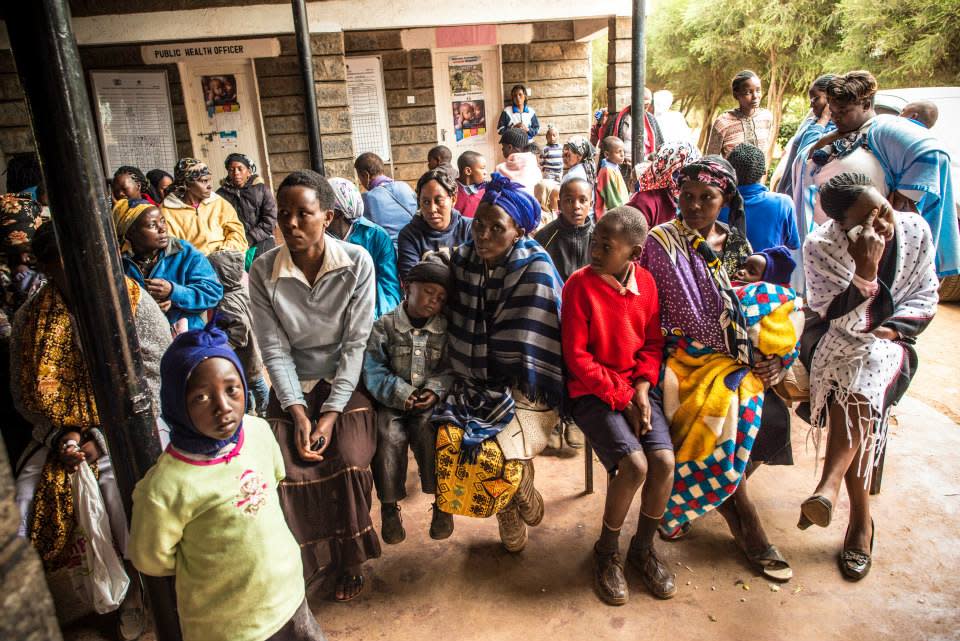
x,y
630,475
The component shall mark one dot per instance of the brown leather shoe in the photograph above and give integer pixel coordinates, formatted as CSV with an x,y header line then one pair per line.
x,y
608,577
654,572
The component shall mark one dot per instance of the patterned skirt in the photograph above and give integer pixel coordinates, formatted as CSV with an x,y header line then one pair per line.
x,y
327,504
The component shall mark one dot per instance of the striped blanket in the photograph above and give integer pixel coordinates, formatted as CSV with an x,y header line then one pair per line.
x,y
503,333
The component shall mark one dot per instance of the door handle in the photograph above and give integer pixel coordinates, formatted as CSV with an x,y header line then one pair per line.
x,y
443,135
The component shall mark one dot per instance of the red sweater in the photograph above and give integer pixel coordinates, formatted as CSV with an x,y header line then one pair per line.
x,y
610,339
467,203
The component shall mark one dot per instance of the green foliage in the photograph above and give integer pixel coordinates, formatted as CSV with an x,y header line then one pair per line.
x,y
598,58
695,47
910,42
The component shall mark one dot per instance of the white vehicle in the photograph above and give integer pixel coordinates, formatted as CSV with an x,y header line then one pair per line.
x,y
947,129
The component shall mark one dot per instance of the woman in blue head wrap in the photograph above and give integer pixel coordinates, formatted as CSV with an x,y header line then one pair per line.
x,y
209,506
504,344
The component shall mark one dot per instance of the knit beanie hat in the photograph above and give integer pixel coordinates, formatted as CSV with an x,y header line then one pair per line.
x,y
515,137
432,269
749,163
780,265
186,352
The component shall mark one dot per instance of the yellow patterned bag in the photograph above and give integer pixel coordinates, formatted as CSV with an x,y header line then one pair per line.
x,y
479,489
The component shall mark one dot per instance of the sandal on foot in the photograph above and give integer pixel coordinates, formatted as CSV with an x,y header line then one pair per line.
x,y
675,534
354,582
817,510
771,564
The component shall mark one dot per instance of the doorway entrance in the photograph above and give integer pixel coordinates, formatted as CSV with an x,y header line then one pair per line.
x,y
469,98
223,112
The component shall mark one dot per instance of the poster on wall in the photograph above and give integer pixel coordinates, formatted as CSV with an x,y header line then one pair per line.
x,y
220,94
466,94
469,119
134,119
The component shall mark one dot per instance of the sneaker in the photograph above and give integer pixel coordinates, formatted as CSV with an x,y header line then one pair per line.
x,y
441,524
573,436
132,622
391,526
555,440
513,531
654,572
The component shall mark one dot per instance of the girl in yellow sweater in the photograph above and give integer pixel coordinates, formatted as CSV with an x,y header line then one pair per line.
x,y
208,513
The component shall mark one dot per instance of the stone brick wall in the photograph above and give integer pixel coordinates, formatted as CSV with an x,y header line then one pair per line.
x,y
557,71
15,133
619,57
281,94
413,128
282,106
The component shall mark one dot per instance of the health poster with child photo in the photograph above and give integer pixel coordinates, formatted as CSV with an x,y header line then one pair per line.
x,y
466,93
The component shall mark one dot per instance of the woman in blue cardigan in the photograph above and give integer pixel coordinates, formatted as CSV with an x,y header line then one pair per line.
x,y
175,274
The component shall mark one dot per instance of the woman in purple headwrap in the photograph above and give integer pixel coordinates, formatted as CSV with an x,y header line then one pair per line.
x,y
692,258
504,345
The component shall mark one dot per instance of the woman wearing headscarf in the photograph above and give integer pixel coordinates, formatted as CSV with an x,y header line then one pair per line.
x,y
313,300
254,202
578,161
504,347
52,389
19,219
349,224
196,214
691,258
658,190
176,275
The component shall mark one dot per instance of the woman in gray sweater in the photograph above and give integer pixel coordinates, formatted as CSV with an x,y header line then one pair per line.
x,y
313,302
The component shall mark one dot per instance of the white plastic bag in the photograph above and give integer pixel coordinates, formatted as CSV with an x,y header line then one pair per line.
x,y
105,583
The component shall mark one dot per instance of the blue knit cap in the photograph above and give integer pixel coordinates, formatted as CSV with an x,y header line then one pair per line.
x,y
780,265
186,352
513,199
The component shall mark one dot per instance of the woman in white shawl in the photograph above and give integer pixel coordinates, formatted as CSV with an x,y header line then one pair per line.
x,y
871,279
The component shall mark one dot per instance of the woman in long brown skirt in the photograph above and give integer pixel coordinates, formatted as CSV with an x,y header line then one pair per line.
x,y
313,302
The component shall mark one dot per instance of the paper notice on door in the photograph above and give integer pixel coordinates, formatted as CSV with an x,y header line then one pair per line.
x,y
228,139
466,94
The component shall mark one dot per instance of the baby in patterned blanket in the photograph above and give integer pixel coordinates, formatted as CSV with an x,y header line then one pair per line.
x,y
771,270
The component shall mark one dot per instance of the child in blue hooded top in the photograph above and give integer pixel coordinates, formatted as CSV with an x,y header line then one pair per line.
x,y
208,512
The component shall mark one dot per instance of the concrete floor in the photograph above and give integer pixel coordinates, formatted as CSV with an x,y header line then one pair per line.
x,y
468,588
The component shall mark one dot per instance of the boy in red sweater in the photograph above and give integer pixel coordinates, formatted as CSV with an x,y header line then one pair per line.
x,y
613,346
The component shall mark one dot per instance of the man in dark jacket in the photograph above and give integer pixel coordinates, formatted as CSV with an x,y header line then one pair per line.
x,y
254,202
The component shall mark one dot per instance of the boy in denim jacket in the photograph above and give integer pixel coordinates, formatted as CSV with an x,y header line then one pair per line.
x,y
406,371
